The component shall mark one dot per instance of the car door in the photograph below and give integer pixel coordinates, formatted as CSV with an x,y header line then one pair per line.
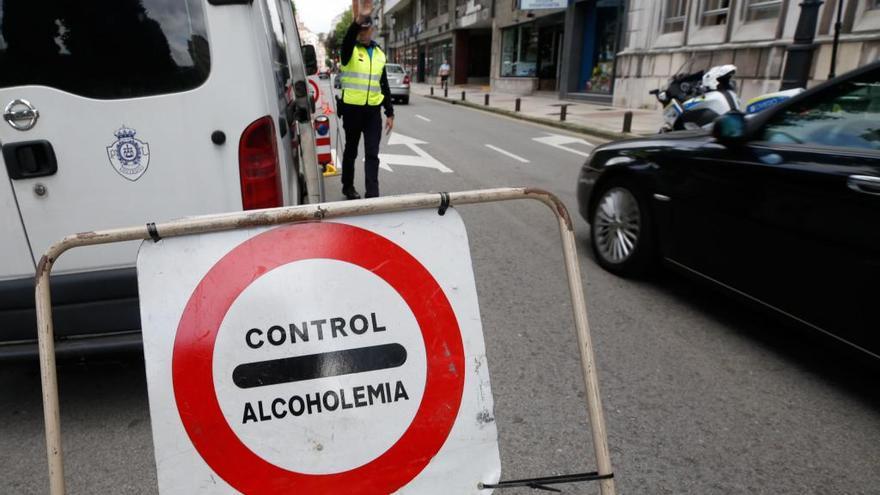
x,y
790,218
822,185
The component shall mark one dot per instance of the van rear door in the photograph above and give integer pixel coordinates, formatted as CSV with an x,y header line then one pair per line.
x,y
118,96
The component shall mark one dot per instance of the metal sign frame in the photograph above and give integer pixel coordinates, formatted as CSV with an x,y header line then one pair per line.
x,y
317,212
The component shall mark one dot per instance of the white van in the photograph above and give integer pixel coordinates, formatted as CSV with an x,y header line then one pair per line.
x,y
119,112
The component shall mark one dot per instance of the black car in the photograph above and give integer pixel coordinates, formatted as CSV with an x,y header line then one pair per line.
x,y
782,208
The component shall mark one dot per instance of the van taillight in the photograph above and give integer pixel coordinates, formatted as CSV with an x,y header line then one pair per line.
x,y
258,166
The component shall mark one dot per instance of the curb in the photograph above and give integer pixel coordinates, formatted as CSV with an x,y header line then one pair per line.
x,y
568,126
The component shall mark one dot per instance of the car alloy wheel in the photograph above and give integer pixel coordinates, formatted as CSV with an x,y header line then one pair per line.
x,y
617,225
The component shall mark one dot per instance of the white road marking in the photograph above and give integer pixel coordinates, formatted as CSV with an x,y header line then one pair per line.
x,y
515,157
426,119
420,159
559,141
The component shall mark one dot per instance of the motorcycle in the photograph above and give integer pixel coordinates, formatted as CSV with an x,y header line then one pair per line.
x,y
693,100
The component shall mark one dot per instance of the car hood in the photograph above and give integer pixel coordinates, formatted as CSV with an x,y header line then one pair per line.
x,y
665,140
642,147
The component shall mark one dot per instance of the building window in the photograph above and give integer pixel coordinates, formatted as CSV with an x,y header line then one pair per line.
x,y
714,12
519,51
757,10
674,15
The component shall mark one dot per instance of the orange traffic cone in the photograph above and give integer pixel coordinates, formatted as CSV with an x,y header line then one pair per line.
x,y
326,109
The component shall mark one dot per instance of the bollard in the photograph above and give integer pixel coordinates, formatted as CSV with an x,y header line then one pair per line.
x,y
462,96
627,122
562,111
446,92
517,105
432,90
486,99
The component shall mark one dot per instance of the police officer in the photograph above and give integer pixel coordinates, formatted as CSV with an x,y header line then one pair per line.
x,y
364,90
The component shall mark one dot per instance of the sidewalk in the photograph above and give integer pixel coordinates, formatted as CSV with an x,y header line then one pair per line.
x,y
545,108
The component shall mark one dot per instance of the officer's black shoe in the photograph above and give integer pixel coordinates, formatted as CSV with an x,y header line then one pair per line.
x,y
350,193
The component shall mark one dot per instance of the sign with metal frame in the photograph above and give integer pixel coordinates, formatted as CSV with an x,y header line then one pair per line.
x,y
242,344
343,356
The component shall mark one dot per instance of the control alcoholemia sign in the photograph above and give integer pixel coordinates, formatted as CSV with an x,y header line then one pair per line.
x,y
319,358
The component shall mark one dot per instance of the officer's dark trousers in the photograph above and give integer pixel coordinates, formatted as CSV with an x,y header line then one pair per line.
x,y
364,120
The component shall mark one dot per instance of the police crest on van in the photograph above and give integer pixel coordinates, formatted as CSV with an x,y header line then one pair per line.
x,y
129,156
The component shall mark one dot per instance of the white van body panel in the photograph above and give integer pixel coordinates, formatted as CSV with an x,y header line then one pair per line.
x,y
15,256
187,174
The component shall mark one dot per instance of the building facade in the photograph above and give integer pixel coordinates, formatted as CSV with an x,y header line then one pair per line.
x,y
422,34
569,50
663,35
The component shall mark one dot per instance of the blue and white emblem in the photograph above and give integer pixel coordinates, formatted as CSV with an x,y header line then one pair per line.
x,y
129,156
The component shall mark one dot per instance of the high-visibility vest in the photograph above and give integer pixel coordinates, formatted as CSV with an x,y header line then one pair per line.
x,y
361,75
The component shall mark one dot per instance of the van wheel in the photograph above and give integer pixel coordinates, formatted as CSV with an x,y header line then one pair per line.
x,y
621,229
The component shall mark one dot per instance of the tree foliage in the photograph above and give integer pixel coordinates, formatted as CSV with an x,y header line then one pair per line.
x,y
333,41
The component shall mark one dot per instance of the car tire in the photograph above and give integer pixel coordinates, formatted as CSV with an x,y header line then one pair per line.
x,y
405,100
622,229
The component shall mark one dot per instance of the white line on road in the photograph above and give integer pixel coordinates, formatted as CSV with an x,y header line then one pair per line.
x,y
560,141
426,119
515,157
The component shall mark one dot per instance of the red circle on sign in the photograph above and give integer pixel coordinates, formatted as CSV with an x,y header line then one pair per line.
x,y
317,90
192,362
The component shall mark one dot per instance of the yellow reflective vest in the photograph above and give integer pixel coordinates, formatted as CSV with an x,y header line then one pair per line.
x,y
360,77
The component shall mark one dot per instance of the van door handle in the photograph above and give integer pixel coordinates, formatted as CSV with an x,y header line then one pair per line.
x,y
29,159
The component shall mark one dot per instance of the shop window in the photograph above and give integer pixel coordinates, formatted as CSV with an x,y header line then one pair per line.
x,y
714,12
519,52
437,54
674,16
757,10
600,77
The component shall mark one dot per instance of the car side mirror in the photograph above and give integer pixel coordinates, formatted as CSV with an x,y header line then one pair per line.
x,y
310,59
730,128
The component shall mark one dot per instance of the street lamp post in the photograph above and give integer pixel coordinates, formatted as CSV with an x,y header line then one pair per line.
x,y
800,53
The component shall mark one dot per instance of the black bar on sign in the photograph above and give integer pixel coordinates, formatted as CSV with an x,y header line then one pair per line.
x,y
313,366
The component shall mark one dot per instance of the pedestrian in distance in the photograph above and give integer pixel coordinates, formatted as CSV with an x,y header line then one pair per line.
x,y
444,74
365,89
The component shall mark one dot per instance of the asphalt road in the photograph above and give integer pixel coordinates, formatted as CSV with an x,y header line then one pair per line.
x,y
702,395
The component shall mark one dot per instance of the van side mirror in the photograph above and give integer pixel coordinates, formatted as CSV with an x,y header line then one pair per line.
x,y
730,128
310,59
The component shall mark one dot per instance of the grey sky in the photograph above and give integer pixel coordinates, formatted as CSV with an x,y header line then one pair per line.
x,y
317,14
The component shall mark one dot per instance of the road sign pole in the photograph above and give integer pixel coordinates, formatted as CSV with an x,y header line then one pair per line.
x,y
321,211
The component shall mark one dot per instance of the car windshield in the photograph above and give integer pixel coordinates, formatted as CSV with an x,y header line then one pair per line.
x,y
394,69
104,49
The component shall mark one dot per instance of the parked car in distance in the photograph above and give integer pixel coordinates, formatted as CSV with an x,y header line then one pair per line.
x,y
324,73
782,208
398,81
